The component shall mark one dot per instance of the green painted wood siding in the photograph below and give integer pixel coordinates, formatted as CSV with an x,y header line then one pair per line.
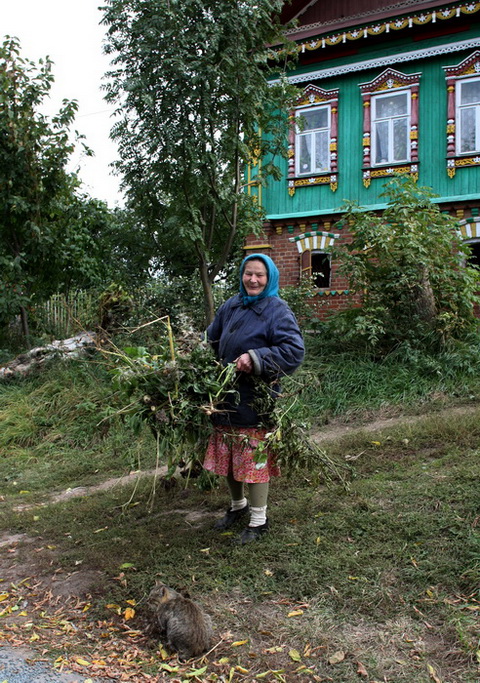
x,y
431,145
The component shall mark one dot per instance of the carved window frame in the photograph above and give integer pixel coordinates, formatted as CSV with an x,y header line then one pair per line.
x,y
312,96
390,81
469,68
314,241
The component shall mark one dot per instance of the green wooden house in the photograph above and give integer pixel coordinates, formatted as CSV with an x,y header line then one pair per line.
x,y
385,87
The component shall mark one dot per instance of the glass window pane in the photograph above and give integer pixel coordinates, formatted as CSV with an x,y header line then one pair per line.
x,y
321,151
381,142
315,118
470,92
305,161
467,130
394,105
400,140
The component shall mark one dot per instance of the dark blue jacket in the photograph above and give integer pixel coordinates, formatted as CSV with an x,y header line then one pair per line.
x,y
269,332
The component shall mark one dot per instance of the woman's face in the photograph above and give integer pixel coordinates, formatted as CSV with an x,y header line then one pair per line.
x,y
254,277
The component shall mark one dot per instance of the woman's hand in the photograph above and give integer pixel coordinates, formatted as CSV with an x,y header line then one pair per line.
x,y
244,363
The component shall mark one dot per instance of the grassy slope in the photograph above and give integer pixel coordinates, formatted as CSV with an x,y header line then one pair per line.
x,y
384,575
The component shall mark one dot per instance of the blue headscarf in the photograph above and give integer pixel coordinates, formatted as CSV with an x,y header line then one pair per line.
x,y
271,288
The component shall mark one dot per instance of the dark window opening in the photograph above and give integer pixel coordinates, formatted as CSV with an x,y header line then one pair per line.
x,y
321,269
474,258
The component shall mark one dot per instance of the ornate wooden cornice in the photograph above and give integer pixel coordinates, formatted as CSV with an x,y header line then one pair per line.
x,y
318,36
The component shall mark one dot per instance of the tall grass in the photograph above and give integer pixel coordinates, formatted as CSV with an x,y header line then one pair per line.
x,y
350,384
59,429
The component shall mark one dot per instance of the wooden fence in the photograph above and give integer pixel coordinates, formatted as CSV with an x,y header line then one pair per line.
x,y
63,316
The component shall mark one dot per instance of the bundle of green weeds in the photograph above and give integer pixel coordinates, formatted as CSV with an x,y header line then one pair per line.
x,y
289,440
174,391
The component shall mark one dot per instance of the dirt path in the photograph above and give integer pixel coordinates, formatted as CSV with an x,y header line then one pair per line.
x,y
338,429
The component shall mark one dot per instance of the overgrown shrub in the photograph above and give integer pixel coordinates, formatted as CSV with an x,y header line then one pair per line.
x,y
410,264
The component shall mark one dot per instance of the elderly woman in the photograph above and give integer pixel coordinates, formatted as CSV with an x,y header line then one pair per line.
x,y
258,332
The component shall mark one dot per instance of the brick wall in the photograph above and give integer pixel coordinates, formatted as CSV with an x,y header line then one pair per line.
x,y
275,241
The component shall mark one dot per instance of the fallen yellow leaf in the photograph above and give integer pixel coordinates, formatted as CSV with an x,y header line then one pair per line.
x,y
163,653
237,643
129,613
295,613
241,669
196,672
82,662
295,655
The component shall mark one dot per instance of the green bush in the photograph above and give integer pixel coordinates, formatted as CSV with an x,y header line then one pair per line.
x,y
410,266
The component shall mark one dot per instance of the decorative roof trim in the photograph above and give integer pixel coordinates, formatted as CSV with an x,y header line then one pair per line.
x,y
384,61
401,22
362,15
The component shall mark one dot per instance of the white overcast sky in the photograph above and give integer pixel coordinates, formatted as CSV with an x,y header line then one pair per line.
x,y
69,32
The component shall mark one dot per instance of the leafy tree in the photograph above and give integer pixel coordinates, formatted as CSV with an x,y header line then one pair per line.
x,y
34,186
189,78
53,238
409,264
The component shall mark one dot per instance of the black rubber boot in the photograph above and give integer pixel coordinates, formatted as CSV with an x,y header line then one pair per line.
x,y
252,533
230,518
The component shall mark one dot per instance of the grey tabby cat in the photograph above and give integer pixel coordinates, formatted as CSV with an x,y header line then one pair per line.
x,y
187,629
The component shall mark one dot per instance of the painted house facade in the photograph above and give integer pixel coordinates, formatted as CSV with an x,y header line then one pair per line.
x,y
385,87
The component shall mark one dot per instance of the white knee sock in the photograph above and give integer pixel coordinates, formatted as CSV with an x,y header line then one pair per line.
x,y
258,516
238,504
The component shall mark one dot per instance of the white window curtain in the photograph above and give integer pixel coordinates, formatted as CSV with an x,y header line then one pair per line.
x,y
312,140
391,123
468,116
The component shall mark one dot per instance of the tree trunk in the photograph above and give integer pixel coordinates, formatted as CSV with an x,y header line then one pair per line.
x,y
424,298
25,327
207,294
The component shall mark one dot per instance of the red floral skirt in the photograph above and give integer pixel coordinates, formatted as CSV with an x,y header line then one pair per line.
x,y
231,449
